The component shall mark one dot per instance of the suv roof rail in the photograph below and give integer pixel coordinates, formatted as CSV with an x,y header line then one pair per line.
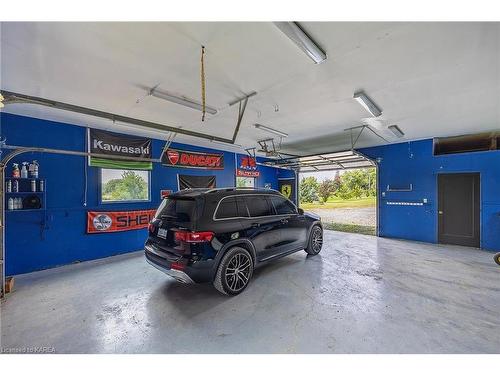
x,y
239,188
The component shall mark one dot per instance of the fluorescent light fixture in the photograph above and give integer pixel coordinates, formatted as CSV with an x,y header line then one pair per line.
x,y
367,103
396,131
182,100
293,31
271,130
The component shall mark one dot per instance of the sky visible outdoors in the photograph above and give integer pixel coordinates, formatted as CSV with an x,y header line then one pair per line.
x,y
321,176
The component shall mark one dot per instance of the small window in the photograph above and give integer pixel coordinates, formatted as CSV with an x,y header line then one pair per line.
x,y
258,205
123,185
246,182
283,206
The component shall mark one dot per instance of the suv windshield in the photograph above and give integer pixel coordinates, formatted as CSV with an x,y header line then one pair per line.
x,y
176,209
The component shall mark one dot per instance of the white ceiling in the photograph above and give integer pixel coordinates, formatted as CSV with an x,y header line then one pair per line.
x,y
431,79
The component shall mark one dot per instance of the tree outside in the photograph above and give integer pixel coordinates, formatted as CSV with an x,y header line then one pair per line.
x,y
354,184
131,186
308,191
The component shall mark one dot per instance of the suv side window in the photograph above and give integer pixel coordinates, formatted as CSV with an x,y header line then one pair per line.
x,y
259,205
231,207
283,206
227,209
242,207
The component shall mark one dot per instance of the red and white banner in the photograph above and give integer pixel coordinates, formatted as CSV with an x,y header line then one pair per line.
x,y
118,221
247,167
191,159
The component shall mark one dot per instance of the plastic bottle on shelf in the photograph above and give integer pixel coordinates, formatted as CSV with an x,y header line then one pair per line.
x,y
24,170
33,169
15,187
10,204
8,186
41,185
33,185
16,173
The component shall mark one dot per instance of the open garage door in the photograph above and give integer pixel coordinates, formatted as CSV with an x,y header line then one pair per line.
x,y
340,187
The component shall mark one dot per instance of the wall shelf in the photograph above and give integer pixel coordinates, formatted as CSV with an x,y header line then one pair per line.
x,y
25,187
24,192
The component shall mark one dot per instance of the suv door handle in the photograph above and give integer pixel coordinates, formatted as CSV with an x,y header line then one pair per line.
x,y
255,225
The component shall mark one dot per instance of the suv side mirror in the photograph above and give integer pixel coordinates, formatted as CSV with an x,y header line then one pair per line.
x,y
301,211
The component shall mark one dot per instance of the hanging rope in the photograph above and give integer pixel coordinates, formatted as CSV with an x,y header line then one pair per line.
x,y
203,101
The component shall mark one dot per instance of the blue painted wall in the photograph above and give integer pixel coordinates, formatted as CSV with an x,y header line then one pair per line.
x,y
31,246
413,163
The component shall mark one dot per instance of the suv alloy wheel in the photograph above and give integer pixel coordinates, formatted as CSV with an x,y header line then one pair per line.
x,y
315,241
234,272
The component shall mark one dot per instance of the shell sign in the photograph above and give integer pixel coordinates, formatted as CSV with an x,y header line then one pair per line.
x,y
117,221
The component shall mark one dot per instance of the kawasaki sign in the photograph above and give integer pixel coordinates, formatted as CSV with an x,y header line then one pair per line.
x,y
106,143
191,159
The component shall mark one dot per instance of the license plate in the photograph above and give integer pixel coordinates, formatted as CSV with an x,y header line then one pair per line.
x,y
162,233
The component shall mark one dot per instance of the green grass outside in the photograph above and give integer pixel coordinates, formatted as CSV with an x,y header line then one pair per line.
x,y
350,228
335,202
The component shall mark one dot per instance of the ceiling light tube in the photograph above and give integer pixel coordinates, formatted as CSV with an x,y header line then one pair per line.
x,y
182,100
294,32
396,131
367,103
271,130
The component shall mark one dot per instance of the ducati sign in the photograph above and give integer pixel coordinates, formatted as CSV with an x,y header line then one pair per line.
x,y
173,157
191,159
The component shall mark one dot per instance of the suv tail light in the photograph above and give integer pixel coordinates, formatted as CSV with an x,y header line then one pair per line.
x,y
193,237
151,228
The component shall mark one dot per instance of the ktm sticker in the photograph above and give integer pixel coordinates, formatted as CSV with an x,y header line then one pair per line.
x,y
286,190
118,221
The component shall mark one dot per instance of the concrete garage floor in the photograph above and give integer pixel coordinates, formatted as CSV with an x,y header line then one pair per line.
x,y
363,294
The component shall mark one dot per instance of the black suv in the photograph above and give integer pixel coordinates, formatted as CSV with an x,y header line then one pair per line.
x,y
221,235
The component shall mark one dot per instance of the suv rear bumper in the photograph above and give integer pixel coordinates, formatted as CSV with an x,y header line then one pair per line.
x,y
176,274
196,272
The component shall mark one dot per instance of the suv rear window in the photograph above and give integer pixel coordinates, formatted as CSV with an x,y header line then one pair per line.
x,y
177,209
259,205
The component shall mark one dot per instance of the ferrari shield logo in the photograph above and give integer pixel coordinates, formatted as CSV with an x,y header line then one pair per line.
x,y
286,190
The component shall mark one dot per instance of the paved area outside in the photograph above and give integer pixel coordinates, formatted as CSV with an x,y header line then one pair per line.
x,y
362,294
357,215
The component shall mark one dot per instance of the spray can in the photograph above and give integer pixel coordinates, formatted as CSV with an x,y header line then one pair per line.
x,y
24,170
41,185
8,186
33,185
15,170
10,204
15,187
20,204
33,169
